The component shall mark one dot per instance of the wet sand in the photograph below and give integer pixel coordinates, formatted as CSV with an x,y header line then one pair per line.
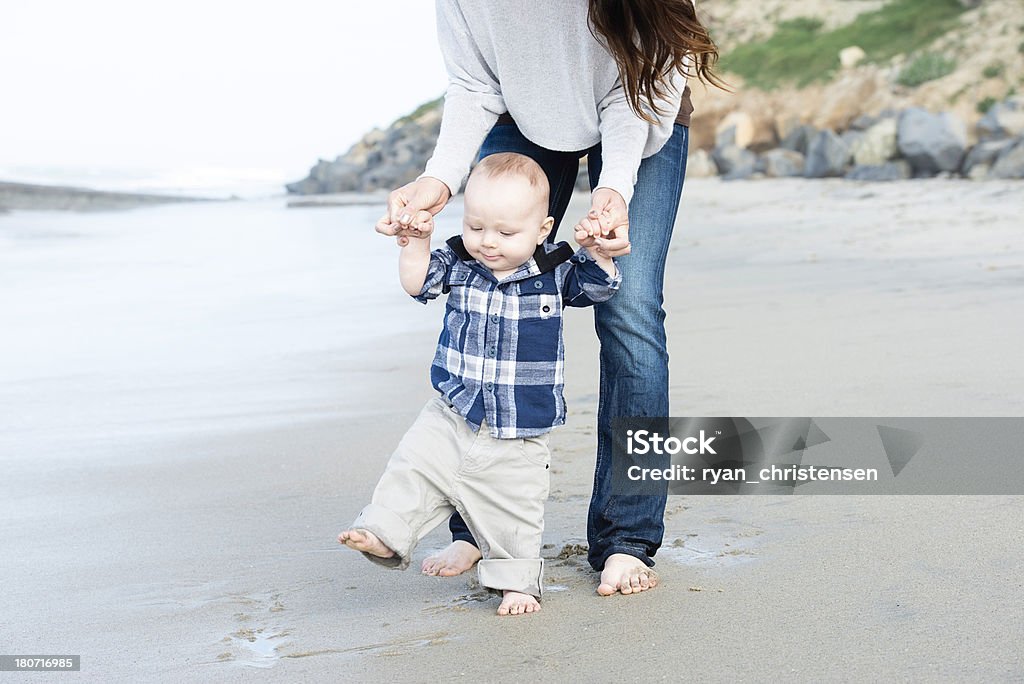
x,y
214,558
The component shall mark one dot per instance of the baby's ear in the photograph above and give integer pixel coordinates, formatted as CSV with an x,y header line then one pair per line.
x,y
545,228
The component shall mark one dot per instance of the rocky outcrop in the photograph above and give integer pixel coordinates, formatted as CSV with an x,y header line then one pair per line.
x,y
890,145
863,101
381,160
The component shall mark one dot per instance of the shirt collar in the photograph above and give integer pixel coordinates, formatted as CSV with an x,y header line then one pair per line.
x,y
545,258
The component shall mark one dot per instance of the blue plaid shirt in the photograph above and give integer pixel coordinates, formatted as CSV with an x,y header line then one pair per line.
x,y
500,357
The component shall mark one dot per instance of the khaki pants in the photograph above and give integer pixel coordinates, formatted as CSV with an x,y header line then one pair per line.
x,y
498,486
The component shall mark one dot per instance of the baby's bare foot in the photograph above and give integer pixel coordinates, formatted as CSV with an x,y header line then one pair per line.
x,y
364,541
457,558
625,574
514,603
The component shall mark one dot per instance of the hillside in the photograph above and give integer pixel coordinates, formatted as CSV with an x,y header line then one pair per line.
x,y
975,53
827,65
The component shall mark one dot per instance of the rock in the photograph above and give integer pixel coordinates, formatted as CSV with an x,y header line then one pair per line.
x,y
780,163
734,162
984,153
1004,120
851,56
863,122
381,160
798,138
827,155
306,186
932,143
784,125
1010,163
877,145
889,171
699,164
850,137
979,172
737,128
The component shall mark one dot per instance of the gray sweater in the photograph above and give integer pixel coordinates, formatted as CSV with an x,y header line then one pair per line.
x,y
537,60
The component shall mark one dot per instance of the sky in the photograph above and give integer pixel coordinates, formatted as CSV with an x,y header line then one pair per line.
x,y
215,87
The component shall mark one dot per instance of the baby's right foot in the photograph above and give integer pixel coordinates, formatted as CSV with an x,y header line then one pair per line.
x,y
514,603
364,541
457,558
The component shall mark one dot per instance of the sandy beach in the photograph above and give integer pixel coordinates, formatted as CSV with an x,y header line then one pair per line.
x,y
211,556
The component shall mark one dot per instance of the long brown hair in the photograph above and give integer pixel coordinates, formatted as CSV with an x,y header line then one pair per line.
x,y
649,39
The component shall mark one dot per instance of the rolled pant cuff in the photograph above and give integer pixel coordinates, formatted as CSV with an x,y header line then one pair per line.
x,y
597,562
512,574
390,529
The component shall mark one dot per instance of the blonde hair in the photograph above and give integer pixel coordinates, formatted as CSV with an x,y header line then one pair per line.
x,y
503,164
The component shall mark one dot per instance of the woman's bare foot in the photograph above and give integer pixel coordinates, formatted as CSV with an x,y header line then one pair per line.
x,y
364,541
625,574
457,558
514,603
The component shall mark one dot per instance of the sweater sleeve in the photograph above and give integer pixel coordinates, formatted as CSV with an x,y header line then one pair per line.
x,y
472,101
624,134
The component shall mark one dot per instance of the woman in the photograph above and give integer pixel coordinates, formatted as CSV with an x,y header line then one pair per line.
x,y
556,81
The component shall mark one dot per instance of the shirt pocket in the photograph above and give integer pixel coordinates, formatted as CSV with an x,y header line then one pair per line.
x,y
464,295
539,299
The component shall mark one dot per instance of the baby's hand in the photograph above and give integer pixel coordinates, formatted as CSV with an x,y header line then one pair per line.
x,y
589,238
592,228
585,237
421,226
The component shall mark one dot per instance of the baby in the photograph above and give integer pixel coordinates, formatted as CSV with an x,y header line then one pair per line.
x,y
481,446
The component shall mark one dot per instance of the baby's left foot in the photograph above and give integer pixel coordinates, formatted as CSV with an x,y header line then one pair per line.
x,y
364,541
514,603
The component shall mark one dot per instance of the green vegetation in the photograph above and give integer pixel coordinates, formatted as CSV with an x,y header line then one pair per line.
x,y
985,105
927,66
422,109
993,70
801,52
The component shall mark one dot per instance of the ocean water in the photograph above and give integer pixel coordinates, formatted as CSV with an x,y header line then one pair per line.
x,y
120,327
215,182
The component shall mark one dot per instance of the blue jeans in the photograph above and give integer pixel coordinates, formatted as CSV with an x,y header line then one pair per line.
x,y
630,326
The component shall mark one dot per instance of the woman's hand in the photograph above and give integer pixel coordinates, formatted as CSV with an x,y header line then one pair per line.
x,y
607,222
410,205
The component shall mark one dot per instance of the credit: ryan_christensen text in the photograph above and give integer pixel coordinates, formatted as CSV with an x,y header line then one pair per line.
x,y
643,442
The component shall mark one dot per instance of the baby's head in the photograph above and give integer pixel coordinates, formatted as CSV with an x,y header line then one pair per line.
x,y
506,211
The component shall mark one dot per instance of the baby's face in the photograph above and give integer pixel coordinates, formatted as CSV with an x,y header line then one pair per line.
x,y
505,218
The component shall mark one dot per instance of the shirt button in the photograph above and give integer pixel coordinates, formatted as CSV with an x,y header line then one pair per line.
x,y
495,318
492,351
538,284
545,308
581,258
489,386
